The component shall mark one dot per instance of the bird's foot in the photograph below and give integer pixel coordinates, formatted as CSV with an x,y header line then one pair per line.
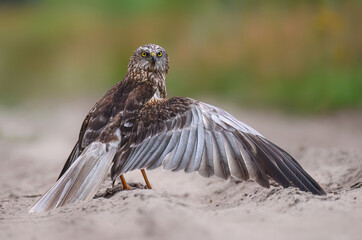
x,y
109,192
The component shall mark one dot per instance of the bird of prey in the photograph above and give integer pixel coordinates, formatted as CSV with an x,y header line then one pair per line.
x,y
135,126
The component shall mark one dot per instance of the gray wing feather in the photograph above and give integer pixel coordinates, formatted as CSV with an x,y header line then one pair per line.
x,y
139,153
166,154
235,169
174,162
198,150
155,146
220,162
190,145
82,179
160,148
238,160
207,166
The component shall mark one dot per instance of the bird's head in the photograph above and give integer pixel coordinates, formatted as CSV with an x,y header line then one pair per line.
x,y
150,58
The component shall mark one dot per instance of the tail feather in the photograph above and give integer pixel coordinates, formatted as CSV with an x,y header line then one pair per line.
x,y
81,181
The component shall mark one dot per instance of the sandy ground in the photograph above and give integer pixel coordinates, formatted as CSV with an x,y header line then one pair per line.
x,y
35,142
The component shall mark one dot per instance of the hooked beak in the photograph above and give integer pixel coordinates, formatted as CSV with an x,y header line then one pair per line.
x,y
153,55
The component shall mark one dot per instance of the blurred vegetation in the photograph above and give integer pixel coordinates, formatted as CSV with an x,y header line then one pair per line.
x,y
301,55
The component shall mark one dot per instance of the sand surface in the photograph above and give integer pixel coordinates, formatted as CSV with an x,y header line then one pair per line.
x,y
35,142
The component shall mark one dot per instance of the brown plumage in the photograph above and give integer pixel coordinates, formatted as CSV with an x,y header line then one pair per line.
x,y
134,126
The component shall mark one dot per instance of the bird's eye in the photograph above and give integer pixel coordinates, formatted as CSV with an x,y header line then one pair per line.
x,y
159,54
143,54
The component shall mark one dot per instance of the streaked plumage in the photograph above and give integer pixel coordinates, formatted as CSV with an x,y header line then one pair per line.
x,y
134,126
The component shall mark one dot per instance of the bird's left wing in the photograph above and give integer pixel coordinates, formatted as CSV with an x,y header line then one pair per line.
x,y
185,134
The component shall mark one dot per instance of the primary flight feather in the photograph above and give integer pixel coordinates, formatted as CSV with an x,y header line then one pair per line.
x,y
135,126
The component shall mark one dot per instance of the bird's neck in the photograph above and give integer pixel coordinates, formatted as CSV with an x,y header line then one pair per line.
x,y
157,79
160,82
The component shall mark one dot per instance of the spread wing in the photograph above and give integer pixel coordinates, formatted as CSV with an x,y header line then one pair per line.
x,y
184,134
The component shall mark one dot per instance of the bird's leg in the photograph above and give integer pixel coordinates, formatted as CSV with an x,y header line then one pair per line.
x,y
146,179
124,183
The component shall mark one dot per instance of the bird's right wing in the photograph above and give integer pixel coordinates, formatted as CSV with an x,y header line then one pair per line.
x,y
184,134
92,126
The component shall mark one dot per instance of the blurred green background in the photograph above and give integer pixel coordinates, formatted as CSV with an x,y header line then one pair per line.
x,y
300,56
